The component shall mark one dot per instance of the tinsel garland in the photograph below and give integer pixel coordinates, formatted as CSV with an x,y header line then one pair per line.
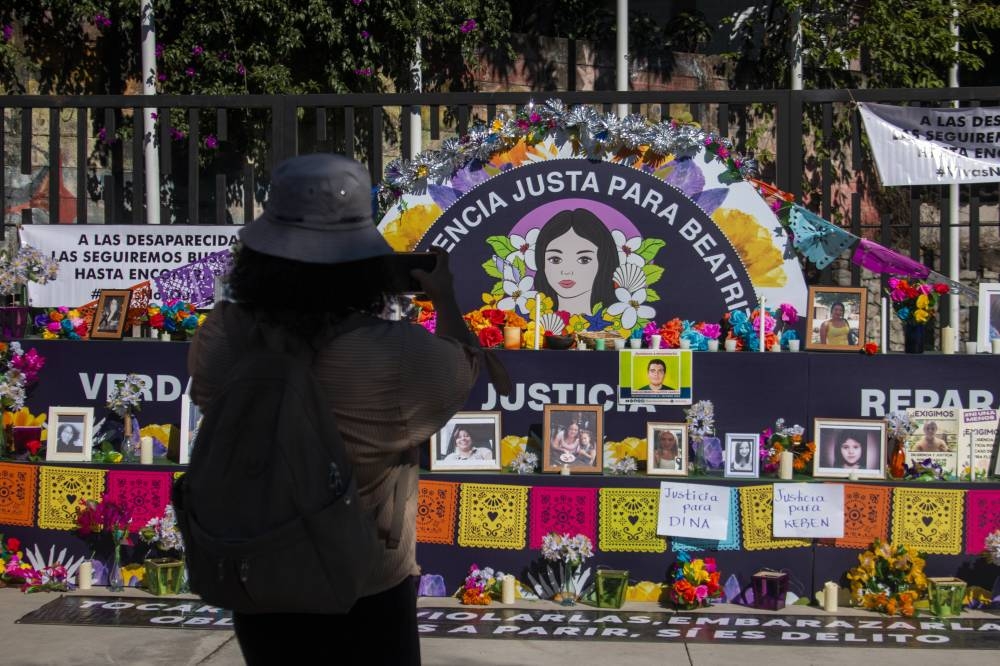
x,y
590,134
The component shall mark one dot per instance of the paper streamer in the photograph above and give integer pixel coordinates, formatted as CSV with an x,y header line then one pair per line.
x,y
61,490
18,494
195,282
628,520
492,516
564,510
928,520
143,494
732,540
436,508
866,516
818,240
982,508
757,509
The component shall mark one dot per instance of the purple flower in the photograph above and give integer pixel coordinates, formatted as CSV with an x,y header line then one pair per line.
x,y
159,50
102,21
211,141
240,69
154,115
197,50
8,32
363,71
365,34
189,71
102,135
357,2
176,134
468,26
161,77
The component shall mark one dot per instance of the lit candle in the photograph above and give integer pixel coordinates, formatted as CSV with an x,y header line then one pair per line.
x,y
146,451
511,337
85,575
507,590
538,318
830,592
763,319
786,465
884,338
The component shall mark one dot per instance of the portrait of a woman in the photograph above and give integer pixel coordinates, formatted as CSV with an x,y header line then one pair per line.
x,y
850,449
461,447
742,460
836,330
567,442
576,257
666,453
68,438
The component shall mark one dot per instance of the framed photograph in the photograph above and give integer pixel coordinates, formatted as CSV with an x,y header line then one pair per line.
x,y
469,441
190,420
667,449
574,436
111,313
743,455
989,316
847,448
69,433
836,318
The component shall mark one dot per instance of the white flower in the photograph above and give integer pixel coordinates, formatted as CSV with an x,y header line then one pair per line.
x,y
126,396
627,249
524,247
629,277
517,290
630,307
525,462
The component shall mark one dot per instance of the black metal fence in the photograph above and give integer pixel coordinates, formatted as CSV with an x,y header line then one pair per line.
x,y
79,159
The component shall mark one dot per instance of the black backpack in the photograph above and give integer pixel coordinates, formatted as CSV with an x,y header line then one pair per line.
x,y
269,507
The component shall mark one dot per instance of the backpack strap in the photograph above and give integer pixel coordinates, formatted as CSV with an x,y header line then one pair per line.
x,y
404,483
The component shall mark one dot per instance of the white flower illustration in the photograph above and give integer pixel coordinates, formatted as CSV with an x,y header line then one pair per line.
x,y
627,248
524,247
517,290
630,306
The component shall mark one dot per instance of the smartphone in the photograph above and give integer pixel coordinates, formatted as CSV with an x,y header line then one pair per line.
x,y
402,263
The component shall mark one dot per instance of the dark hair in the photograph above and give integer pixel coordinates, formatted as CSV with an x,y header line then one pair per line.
x,y
304,297
657,361
454,436
588,226
859,436
843,308
72,429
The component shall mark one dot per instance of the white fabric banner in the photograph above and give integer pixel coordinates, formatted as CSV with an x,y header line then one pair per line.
x,y
95,257
922,146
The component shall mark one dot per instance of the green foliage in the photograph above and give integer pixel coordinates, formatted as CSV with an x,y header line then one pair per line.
x,y
247,46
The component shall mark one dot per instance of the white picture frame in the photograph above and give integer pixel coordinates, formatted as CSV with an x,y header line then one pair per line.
x,y
190,420
831,434
483,429
672,457
989,300
70,430
738,465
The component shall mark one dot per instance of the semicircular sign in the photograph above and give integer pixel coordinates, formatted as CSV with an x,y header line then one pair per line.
x,y
611,244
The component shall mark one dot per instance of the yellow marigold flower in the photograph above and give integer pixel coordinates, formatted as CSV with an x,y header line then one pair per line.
x,y
528,339
514,319
404,232
754,245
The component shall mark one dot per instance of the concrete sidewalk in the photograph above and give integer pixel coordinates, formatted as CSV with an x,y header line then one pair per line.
x,y
28,644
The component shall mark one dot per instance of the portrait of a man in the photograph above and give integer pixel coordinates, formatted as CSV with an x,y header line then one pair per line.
x,y
656,372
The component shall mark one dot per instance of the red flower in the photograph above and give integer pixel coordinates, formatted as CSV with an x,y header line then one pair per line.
x,y
13,544
490,336
495,317
33,446
941,288
871,348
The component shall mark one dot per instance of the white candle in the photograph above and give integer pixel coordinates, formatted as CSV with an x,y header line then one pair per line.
x,y
565,469
786,465
713,345
793,345
85,575
995,345
947,340
538,319
136,331
507,590
776,347
154,334
763,319
730,344
884,332
830,592
146,451
654,341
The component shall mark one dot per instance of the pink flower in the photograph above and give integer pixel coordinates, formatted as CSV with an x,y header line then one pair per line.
x,y
240,69
189,71
365,34
776,205
534,117
723,152
102,21
468,26
788,312
893,282
211,141
8,33
176,134
159,50
701,592
197,50
161,77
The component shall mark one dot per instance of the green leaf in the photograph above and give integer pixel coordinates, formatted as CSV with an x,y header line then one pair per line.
x,y
497,289
520,266
501,246
652,273
651,296
490,266
649,247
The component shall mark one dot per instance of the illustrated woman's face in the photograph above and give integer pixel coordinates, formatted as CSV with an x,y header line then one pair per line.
x,y
850,451
571,265
837,311
463,440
